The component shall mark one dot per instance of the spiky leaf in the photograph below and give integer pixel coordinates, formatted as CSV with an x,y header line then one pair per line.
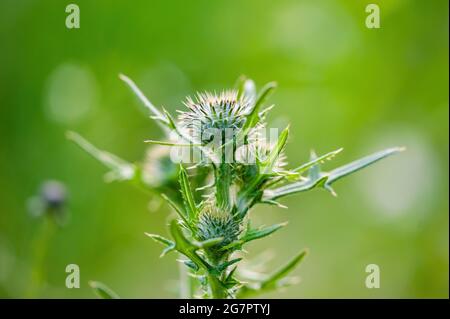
x,y
253,234
316,160
188,195
120,169
183,215
274,280
355,166
186,247
170,245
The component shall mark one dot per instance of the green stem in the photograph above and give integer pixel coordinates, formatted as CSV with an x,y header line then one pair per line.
x,y
248,195
39,251
223,181
217,289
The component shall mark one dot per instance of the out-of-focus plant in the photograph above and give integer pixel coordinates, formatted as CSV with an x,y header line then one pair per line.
x,y
213,201
50,207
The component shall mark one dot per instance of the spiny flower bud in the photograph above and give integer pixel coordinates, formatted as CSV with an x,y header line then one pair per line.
x,y
209,112
214,223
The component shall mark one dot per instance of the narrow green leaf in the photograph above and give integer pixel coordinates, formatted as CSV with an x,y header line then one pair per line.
x,y
170,245
165,143
253,234
263,113
208,243
177,209
169,119
185,247
187,194
297,187
122,170
231,274
273,202
320,179
276,280
253,116
352,167
283,271
316,160
275,152
190,265
153,109
161,239
230,281
227,264
103,291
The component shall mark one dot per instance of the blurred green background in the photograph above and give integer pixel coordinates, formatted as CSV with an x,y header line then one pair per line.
x,y
340,84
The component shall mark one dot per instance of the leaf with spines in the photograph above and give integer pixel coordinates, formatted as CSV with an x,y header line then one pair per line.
x,y
298,187
181,213
316,160
170,245
190,264
222,267
120,169
186,247
230,281
322,179
188,195
359,164
273,281
207,243
103,291
253,234
156,114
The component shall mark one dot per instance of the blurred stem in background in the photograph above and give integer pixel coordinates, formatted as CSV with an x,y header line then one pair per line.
x,y
39,250
49,205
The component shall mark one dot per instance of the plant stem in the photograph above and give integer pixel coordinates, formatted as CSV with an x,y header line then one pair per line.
x,y
223,177
39,251
217,290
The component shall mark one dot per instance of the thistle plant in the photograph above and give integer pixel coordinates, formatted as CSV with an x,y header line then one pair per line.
x,y
232,168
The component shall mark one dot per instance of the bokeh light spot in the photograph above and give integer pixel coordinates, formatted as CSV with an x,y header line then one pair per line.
x,y
72,93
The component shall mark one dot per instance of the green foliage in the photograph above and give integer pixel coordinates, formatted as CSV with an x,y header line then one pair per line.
x,y
213,223
103,291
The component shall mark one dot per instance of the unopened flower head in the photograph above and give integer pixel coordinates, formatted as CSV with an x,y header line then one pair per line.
x,y
215,222
211,114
